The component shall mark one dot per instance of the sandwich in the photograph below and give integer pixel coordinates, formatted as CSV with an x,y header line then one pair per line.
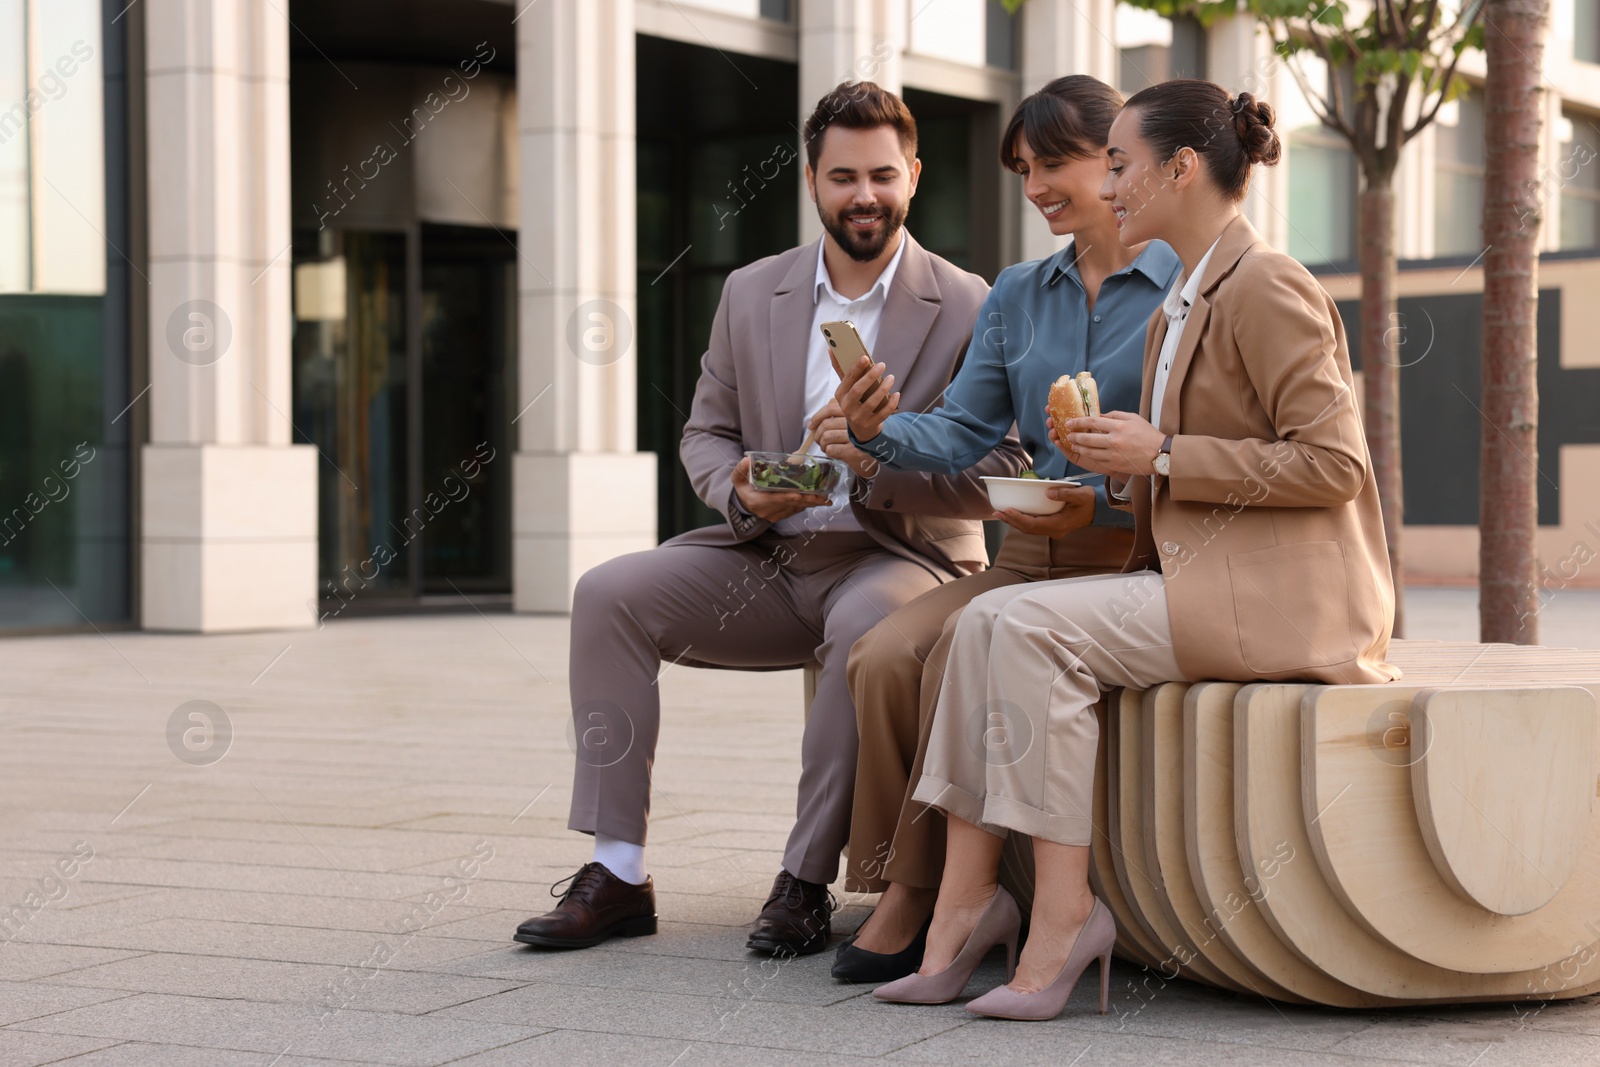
x,y
1073,398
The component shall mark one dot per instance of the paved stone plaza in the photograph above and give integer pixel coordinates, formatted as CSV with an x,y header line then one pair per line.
x,y
340,886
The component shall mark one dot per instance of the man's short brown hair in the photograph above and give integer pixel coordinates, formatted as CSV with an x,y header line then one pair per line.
x,y
860,105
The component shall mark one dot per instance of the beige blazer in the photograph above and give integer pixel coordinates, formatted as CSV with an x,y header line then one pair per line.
x,y
752,389
1268,531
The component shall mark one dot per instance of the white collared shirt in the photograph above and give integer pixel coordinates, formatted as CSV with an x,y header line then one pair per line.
x,y
1176,307
866,311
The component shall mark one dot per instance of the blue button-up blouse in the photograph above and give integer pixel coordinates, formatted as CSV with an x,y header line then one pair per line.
x,y
1034,327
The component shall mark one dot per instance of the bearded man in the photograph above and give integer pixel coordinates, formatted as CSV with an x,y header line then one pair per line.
x,y
789,578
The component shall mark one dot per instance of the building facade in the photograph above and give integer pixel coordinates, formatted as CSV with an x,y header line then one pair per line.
x,y
314,308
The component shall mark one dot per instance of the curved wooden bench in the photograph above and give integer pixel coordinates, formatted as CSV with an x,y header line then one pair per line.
x,y
1432,840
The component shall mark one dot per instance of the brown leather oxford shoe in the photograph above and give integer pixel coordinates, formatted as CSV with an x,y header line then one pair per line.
x,y
596,905
797,919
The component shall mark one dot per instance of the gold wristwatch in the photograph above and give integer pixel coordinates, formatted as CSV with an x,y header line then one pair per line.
x,y
1163,461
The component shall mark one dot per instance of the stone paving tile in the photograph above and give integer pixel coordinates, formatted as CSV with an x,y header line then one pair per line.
x,y
389,988
200,829
1189,1010
1581,1017
61,924
83,891
303,853
199,874
19,1048
294,944
563,1048
1568,1016
21,1001
674,826
698,1018
748,977
1029,1044
520,861
22,961
237,905
143,1054
377,1037
1463,1043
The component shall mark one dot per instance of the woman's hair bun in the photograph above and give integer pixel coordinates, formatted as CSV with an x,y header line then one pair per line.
x,y
1252,121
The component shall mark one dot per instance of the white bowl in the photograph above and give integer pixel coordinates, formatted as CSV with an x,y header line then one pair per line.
x,y
1027,495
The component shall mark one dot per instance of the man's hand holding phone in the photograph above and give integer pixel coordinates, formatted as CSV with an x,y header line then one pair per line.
x,y
835,440
866,398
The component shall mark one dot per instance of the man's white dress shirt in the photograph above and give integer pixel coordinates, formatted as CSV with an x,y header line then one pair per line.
x,y
866,311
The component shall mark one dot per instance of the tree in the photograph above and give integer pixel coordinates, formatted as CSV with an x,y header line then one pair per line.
x,y
1400,59
1508,508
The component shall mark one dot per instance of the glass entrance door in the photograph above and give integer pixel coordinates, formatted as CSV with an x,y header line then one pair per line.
x,y
350,401
403,350
469,331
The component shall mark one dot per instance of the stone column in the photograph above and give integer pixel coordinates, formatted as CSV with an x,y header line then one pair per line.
x,y
582,494
1060,37
229,506
1240,59
845,40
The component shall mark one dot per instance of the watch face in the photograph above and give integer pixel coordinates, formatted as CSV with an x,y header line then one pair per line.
x,y
1163,464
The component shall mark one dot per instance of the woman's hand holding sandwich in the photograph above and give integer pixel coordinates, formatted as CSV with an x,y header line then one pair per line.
x,y
1117,442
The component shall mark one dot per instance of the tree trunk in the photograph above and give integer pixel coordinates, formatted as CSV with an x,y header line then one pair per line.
x,y
1380,370
1508,498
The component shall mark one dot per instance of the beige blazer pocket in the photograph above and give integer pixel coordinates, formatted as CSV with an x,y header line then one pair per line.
x,y
1293,606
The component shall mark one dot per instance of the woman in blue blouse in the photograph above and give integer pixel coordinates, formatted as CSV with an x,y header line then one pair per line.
x,y
1083,308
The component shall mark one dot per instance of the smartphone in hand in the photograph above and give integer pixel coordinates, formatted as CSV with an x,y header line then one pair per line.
x,y
844,345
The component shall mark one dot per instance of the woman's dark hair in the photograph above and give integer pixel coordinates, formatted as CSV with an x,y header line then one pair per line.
x,y
1068,119
1231,132
859,105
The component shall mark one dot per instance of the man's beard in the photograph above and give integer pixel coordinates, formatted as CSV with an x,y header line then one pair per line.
x,y
863,247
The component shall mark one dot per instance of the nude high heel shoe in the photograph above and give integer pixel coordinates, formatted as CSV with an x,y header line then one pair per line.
x,y
1096,939
1000,924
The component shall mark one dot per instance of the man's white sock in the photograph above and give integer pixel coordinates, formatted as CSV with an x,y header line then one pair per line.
x,y
622,858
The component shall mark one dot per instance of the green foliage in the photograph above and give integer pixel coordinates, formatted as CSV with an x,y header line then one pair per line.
x,y
1396,50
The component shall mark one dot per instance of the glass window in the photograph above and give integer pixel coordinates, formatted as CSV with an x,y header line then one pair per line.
x,y
949,29
775,10
1322,197
1458,178
1323,178
719,178
1577,174
1154,49
15,245
1000,37
1586,30
63,318
52,148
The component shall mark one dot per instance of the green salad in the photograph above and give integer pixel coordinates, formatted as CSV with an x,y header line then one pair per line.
x,y
807,477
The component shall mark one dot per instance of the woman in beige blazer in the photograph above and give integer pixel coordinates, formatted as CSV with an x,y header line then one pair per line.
x,y
1259,552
